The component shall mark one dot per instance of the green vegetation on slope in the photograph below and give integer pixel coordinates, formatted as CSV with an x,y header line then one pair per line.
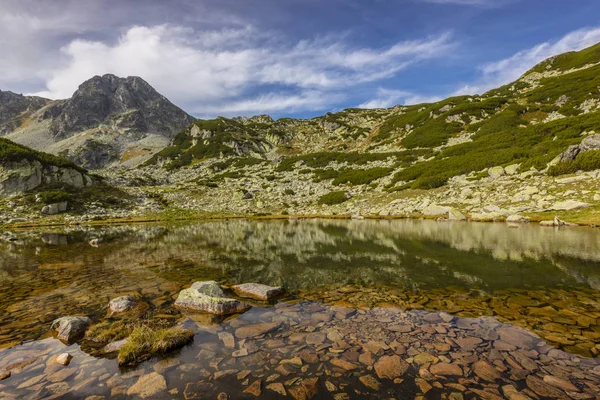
x,y
587,161
13,152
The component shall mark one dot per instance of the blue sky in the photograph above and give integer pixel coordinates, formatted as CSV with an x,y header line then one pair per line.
x,y
297,58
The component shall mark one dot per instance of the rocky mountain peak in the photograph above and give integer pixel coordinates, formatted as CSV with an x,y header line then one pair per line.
x,y
13,106
130,104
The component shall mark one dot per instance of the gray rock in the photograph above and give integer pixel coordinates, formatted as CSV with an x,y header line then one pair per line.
x,y
434,209
455,215
209,297
122,303
55,208
515,218
591,142
569,205
72,328
496,172
257,291
64,358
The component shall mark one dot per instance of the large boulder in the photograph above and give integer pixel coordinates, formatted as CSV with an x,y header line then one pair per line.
x,y
455,215
591,142
257,291
72,328
209,297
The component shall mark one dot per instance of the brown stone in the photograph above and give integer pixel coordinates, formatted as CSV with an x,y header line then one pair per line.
x,y
370,382
468,343
148,385
390,367
4,375
305,389
346,365
543,389
255,388
445,369
277,388
254,330
486,371
560,383
517,336
196,390
316,338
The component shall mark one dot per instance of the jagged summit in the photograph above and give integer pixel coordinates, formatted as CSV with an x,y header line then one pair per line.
x,y
107,120
128,103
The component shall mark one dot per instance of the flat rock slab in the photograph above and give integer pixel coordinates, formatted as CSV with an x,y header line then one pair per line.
x,y
72,328
257,291
254,330
209,297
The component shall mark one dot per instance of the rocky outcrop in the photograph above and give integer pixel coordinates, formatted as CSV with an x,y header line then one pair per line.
x,y
209,297
13,106
55,208
21,176
591,142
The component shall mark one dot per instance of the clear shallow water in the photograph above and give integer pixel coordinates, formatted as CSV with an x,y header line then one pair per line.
x,y
542,279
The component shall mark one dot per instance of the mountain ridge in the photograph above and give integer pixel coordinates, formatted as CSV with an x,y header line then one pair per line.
x,y
106,118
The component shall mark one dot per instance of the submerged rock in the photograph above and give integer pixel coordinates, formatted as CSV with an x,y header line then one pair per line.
x,y
209,297
148,386
72,328
257,291
115,346
122,303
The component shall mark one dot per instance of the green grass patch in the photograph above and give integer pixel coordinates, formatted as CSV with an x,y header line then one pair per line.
x,y
333,198
587,161
145,341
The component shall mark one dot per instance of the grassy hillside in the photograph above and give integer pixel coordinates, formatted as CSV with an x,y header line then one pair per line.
x,y
13,152
528,122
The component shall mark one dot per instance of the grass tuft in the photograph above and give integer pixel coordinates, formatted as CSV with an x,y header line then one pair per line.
x,y
145,341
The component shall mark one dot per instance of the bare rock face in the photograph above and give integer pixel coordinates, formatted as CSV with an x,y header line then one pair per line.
x,y
129,103
21,176
13,106
209,297
257,291
70,329
591,142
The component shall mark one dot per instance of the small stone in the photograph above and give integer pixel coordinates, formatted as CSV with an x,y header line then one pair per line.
x,y
445,369
486,371
4,375
254,330
257,291
228,339
561,383
542,388
343,364
370,382
115,346
315,338
222,396
390,367
255,388
277,388
423,385
64,358
305,389
122,303
148,385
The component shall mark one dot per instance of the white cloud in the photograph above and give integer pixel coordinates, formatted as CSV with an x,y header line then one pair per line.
x,y
498,73
387,98
218,70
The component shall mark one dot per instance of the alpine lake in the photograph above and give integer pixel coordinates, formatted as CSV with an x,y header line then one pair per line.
x,y
376,309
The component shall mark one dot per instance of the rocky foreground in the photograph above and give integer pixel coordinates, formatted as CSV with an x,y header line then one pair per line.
x,y
305,350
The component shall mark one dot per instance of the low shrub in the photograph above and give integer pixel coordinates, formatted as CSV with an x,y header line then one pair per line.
x,y
333,198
